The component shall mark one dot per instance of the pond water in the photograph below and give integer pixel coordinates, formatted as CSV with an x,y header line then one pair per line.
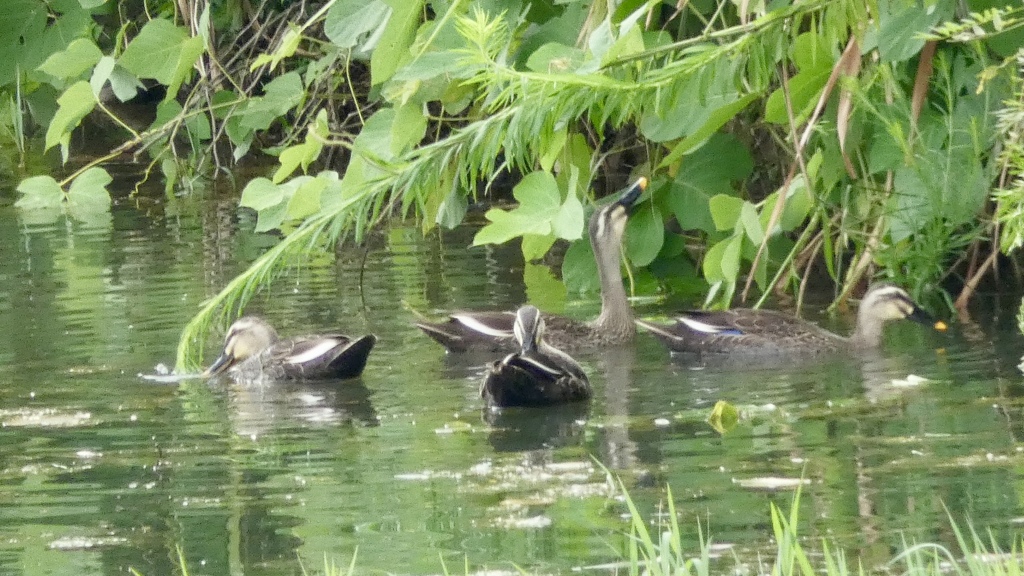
x,y
102,471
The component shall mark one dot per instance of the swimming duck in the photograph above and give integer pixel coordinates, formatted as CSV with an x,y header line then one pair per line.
x,y
538,375
747,331
254,353
492,331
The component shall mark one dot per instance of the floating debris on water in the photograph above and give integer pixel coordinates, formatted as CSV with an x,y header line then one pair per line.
x,y
43,418
771,483
86,542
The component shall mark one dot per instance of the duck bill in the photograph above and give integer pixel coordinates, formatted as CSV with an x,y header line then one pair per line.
x,y
922,317
222,363
628,198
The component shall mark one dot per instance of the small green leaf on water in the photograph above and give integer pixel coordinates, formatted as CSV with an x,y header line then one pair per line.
x,y
89,191
39,192
724,417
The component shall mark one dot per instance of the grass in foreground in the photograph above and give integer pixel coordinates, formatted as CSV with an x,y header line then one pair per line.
x,y
661,552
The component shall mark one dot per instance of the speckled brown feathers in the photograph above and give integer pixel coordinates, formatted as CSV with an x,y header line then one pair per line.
x,y
747,331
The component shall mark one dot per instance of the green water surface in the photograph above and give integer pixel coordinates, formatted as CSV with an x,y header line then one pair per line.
x,y
102,471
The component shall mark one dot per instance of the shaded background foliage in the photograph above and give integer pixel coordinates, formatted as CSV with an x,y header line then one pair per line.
x,y
785,141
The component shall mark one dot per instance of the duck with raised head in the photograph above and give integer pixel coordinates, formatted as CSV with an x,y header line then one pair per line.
x,y
254,353
538,374
749,331
493,331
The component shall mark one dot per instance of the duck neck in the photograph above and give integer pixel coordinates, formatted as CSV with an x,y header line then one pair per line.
x,y
868,333
616,314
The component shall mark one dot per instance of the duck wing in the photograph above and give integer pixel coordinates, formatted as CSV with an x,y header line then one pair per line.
x,y
534,379
740,330
466,331
323,355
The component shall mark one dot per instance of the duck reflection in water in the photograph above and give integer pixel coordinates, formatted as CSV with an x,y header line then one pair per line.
x,y
256,411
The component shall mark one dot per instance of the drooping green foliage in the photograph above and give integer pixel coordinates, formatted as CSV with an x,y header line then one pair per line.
x,y
858,140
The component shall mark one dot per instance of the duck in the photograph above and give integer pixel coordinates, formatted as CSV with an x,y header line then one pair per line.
x,y
254,353
538,374
749,331
493,331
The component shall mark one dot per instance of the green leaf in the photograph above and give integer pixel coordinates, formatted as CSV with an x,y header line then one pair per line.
x,y
286,49
398,35
540,211
453,208
552,148
169,168
900,33
280,95
349,22
88,192
164,52
690,208
123,84
77,101
39,192
751,225
555,57
505,226
725,211
704,99
568,222
260,194
804,90
811,50
723,417
305,201
271,218
715,120
538,194
438,63
722,261
23,24
408,129
305,153
81,55
535,246
579,270
645,235
542,287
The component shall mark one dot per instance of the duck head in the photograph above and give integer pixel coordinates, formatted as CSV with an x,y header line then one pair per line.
x,y
529,328
246,337
887,302
608,224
